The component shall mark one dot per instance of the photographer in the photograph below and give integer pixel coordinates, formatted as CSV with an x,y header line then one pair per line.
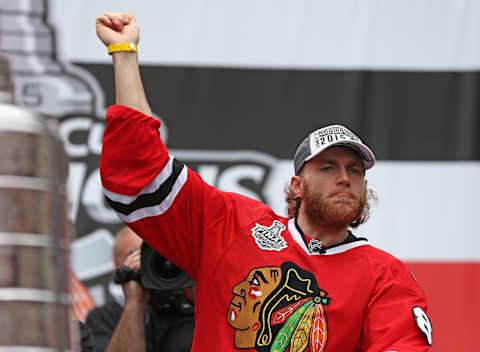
x,y
141,322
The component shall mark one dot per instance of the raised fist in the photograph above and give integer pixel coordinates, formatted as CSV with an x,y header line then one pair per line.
x,y
113,28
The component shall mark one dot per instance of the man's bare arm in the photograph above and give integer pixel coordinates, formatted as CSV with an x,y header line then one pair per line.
x,y
113,28
129,335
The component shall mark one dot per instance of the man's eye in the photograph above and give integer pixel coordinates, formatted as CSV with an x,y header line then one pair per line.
x,y
355,171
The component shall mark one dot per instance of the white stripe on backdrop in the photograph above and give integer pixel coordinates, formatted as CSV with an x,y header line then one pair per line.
x,y
349,34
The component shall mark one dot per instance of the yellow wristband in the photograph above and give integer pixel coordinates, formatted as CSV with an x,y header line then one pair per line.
x,y
113,48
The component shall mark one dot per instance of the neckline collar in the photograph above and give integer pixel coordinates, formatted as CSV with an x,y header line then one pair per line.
x,y
314,247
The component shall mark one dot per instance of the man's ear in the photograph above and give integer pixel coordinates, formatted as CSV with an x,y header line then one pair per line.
x,y
296,184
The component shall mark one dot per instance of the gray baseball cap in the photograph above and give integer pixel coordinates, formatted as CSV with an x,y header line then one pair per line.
x,y
326,137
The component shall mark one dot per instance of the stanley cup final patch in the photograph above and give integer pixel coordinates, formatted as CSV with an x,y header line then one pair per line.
x,y
269,238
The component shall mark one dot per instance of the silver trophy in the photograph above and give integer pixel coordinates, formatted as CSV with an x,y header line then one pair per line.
x,y
35,299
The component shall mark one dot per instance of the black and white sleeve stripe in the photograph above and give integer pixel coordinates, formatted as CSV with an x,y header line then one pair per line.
x,y
155,198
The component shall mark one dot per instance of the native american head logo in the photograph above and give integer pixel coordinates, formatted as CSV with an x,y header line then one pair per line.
x,y
279,308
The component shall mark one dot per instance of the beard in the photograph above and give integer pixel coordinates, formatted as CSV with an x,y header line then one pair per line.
x,y
321,208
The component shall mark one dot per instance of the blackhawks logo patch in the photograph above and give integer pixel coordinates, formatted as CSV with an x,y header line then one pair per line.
x,y
268,237
279,308
315,246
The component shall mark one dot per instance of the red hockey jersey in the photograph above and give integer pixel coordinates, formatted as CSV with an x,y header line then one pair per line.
x,y
259,287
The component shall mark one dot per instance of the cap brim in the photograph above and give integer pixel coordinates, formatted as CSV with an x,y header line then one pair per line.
x,y
361,149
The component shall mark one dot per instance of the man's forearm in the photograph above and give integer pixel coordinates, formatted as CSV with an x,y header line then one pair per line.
x,y
130,332
129,89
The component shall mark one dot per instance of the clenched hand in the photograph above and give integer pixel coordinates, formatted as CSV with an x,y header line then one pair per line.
x,y
114,27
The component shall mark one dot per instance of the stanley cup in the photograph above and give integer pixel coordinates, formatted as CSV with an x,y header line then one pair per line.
x,y
34,234
74,97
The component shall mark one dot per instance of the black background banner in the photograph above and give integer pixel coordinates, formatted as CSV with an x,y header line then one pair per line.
x,y
401,115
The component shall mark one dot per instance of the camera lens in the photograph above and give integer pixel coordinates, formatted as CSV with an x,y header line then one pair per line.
x,y
165,268
158,273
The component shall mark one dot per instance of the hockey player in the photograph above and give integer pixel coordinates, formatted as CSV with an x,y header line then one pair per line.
x,y
264,282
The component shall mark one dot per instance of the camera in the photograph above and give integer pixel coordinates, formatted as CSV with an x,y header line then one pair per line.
x,y
165,281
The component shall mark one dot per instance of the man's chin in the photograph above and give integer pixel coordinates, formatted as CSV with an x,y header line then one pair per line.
x,y
337,211
340,221
339,214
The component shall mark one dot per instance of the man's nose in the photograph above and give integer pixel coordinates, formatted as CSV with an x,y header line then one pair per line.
x,y
343,177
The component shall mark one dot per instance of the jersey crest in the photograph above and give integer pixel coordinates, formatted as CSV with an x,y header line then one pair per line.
x,y
279,308
268,237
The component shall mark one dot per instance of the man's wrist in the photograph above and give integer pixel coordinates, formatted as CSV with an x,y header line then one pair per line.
x,y
121,57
